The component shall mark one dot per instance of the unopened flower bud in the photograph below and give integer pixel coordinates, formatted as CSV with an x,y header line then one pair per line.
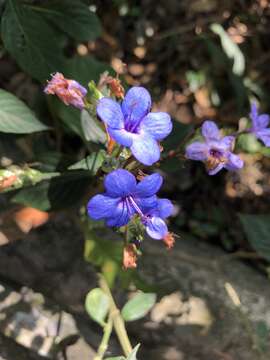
x,y
8,181
141,175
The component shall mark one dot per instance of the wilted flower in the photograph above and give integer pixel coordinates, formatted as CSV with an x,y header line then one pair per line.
x,y
131,124
69,91
215,152
124,198
169,240
259,125
116,88
130,257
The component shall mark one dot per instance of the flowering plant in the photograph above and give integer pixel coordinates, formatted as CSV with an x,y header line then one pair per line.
x,y
101,151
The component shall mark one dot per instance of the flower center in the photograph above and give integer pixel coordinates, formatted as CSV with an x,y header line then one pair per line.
x,y
216,153
132,125
215,158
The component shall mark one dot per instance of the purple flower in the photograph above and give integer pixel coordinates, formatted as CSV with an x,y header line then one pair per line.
x,y
69,91
124,197
259,125
215,152
131,124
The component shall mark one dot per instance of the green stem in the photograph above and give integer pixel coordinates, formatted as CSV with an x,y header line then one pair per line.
x,y
107,330
118,322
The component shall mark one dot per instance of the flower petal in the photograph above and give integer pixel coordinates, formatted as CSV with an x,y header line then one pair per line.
x,y
136,104
110,113
227,142
149,185
74,85
119,183
156,228
253,111
147,204
121,216
264,135
145,149
234,162
215,170
197,151
165,208
121,136
210,130
102,206
261,122
158,124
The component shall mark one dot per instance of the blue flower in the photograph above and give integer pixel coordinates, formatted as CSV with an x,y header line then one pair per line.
x,y
124,197
215,151
154,222
131,124
259,125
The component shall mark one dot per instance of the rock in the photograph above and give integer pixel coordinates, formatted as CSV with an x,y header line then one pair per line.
x,y
210,306
45,330
214,308
10,350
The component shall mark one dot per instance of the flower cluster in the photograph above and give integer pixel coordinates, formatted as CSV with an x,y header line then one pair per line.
x,y
69,91
124,198
131,124
215,151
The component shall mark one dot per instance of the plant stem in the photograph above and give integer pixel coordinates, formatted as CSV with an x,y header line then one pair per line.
x,y
107,330
118,322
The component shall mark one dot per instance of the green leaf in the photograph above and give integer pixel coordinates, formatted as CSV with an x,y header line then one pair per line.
x,y
69,115
84,69
262,335
133,354
72,17
195,79
100,248
91,129
179,133
249,143
92,162
138,306
16,117
97,305
30,40
257,229
231,49
58,193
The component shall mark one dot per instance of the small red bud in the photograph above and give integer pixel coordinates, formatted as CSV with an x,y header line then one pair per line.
x,y
7,182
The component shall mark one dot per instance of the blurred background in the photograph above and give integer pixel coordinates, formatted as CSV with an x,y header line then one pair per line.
x,y
200,59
